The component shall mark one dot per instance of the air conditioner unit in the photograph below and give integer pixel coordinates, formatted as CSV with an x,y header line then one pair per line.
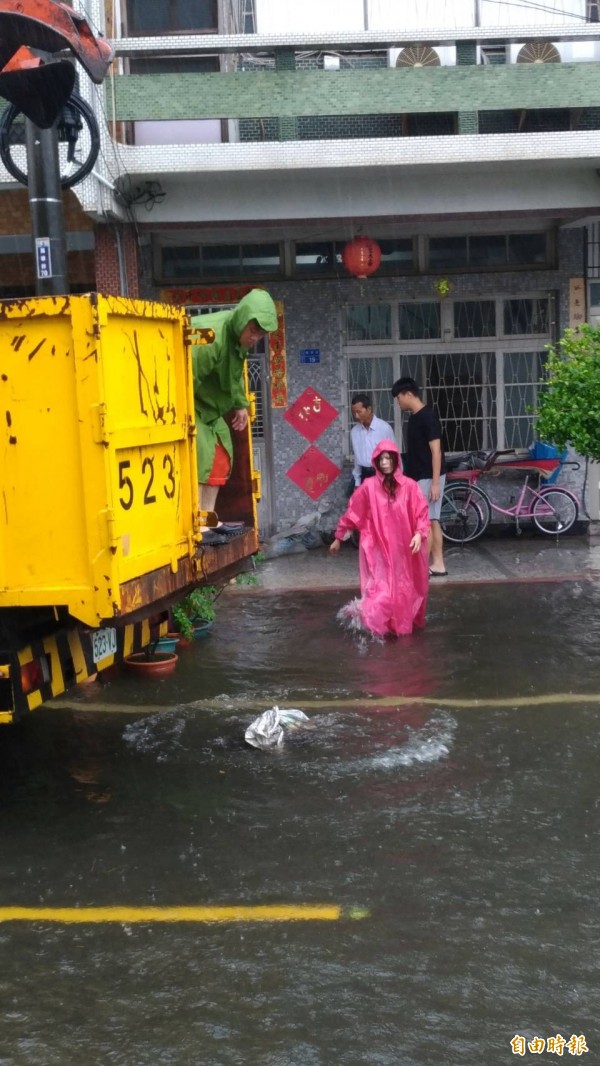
x,y
422,55
418,55
538,52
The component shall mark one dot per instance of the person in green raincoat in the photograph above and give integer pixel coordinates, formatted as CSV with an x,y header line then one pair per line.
x,y
218,371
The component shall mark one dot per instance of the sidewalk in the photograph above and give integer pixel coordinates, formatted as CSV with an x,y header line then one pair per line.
x,y
530,557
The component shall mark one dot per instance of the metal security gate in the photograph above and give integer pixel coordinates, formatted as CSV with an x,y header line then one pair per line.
x,y
258,375
479,363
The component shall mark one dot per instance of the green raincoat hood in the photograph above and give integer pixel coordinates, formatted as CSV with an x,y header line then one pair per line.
x,y
258,305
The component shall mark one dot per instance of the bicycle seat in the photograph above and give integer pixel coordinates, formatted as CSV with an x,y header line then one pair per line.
x,y
484,460
459,462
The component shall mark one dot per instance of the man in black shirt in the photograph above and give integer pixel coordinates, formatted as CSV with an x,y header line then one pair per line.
x,y
424,462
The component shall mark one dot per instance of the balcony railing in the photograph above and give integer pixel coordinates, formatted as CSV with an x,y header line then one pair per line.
x,y
311,87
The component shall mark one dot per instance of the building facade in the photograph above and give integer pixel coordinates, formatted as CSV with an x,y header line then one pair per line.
x,y
239,149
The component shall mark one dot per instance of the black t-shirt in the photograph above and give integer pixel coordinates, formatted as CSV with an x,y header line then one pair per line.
x,y
423,427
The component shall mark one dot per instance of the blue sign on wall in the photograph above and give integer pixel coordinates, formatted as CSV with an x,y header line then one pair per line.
x,y
43,257
310,355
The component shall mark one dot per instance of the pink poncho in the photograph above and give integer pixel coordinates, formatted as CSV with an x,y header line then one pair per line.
x,y
394,583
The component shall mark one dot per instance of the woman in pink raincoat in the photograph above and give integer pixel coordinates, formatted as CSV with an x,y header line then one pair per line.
x,y
391,514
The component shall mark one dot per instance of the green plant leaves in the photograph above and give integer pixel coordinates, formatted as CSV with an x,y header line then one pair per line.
x,y
569,406
197,606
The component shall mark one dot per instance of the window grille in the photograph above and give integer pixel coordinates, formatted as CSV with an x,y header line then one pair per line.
x,y
593,10
521,372
373,375
475,318
484,399
459,388
526,316
482,377
255,384
593,251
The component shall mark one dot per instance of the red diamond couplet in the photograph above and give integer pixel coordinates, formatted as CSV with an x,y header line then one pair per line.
x,y
310,414
313,472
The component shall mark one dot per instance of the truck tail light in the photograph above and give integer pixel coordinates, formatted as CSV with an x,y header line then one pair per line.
x,y
33,675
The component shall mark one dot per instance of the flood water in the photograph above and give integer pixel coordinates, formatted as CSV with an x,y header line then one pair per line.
x,y
460,839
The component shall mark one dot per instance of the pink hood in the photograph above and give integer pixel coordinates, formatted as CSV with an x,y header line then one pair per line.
x,y
387,446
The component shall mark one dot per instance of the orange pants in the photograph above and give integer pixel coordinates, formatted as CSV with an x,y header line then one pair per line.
x,y
221,468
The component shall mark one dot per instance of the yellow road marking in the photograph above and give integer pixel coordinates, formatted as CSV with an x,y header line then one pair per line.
x,y
434,701
300,912
340,703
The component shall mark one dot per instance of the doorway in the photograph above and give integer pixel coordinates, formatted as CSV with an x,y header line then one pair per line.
x,y
257,365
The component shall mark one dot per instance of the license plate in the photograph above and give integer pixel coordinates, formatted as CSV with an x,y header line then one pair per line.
x,y
104,643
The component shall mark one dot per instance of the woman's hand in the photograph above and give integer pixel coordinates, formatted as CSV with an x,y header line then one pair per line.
x,y
415,544
335,546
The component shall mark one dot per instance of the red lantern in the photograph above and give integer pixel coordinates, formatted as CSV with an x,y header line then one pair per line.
x,y
361,256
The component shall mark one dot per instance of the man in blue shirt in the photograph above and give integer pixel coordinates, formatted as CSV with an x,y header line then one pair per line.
x,y
367,432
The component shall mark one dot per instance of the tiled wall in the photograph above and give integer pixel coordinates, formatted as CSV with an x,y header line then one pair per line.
x,y
354,92
313,320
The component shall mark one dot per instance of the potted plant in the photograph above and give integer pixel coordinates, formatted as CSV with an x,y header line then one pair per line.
x,y
168,643
194,615
152,660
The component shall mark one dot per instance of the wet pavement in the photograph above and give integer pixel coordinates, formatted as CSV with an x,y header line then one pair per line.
x,y
528,557
442,806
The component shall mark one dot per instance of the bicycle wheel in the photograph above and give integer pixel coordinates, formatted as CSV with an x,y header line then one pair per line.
x,y
479,496
554,511
462,518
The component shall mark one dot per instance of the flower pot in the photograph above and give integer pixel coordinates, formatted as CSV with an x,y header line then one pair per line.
x,y
201,629
168,643
160,665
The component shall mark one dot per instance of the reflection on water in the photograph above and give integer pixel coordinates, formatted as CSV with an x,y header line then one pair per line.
x,y
471,835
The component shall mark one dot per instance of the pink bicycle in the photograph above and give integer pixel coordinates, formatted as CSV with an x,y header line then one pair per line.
x,y
467,508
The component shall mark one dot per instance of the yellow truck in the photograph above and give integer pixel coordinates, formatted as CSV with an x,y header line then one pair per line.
x,y
99,519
